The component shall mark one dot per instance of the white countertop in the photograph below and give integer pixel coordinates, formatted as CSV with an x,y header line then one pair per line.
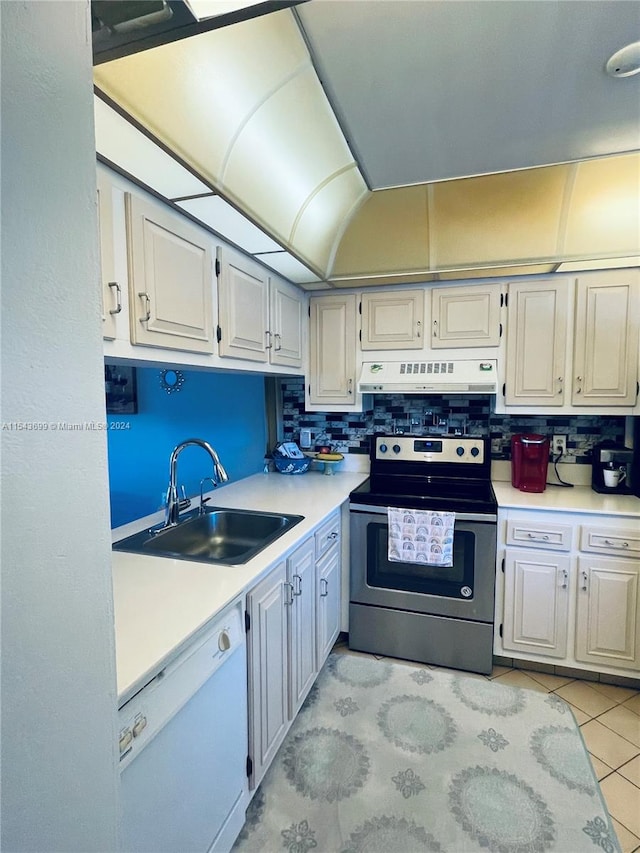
x,y
162,604
577,499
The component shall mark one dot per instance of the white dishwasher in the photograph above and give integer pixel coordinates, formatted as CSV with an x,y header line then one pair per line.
x,y
183,748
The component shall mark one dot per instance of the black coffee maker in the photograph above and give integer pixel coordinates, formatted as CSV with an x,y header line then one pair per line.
x,y
612,469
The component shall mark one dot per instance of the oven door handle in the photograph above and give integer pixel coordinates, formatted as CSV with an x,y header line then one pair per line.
x,y
460,516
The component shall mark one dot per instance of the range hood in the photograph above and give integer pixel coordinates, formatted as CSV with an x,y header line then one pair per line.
x,y
468,376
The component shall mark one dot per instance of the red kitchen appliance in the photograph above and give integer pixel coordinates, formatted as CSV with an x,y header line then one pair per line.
x,y
529,460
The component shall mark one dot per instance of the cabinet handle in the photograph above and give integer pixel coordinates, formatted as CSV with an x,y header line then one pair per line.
x,y
565,579
435,328
585,578
616,544
578,380
560,380
297,589
324,591
147,316
118,307
350,387
544,538
268,344
418,327
278,338
288,588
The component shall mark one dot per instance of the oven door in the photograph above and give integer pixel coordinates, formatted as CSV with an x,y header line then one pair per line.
x,y
464,590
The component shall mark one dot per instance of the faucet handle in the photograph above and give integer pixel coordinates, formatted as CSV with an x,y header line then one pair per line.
x,y
204,500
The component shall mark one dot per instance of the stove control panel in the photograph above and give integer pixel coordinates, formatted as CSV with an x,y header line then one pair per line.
x,y
412,448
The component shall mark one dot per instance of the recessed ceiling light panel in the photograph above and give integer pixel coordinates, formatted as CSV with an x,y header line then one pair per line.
x,y
625,62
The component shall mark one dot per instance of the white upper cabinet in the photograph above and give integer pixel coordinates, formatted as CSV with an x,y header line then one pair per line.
x,y
466,316
287,323
536,343
170,279
111,288
392,320
243,305
332,352
261,317
605,368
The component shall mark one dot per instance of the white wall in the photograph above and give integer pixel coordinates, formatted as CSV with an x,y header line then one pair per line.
x,y
59,774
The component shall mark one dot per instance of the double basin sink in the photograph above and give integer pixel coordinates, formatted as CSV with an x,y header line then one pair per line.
x,y
227,536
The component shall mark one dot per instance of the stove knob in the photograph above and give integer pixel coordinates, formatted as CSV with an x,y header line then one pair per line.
x,y
460,451
396,448
475,451
383,448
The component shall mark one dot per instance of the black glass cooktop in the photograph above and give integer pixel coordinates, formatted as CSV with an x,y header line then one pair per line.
x,y
429,493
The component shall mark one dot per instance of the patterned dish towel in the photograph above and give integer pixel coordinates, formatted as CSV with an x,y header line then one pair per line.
x,y
420,537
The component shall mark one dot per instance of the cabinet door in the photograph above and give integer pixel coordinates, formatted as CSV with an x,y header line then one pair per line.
x,y
111,288
332,348
536,343
268,670
605,368
302,620
392,320
286,319
243,304
536,600
328,579
465,316
607,629
170,279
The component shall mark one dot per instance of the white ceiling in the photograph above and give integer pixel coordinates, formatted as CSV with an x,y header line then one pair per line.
x,y
428,90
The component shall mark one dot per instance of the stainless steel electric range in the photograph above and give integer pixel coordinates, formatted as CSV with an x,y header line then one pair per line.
x,y
434,614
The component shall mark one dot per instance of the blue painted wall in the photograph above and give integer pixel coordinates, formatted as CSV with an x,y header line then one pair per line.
x,y
227,410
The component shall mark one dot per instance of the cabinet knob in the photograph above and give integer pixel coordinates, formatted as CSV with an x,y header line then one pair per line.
x,y
224,641
124,742
139,725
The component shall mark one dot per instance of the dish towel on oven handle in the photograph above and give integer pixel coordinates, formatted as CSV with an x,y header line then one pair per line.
x,y
416,536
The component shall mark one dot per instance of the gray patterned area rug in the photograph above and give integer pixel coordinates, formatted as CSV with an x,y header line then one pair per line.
x,y
392,758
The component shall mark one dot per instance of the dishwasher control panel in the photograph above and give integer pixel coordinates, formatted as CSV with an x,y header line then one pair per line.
x,y
142,717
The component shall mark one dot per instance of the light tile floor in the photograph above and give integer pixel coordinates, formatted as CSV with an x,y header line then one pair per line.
x,y
609,718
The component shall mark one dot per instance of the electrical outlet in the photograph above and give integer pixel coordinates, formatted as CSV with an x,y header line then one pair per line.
x,y
559,445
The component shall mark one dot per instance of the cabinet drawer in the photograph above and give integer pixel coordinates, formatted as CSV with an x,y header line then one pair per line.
x,y
327,535
556,537
620,541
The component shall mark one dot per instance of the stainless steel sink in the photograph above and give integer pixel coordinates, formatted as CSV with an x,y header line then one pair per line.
x,y
230,536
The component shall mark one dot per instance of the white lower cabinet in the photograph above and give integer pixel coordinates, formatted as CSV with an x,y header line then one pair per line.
x,y
537,594
607,630
293,618
575,606
302,618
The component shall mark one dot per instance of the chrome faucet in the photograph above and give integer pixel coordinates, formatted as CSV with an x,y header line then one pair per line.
x,y
173,504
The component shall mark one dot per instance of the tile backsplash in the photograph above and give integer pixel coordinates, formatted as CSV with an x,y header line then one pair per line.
x,y
420,414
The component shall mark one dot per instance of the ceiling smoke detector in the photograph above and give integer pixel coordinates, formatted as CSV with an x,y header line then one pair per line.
x,y
625,62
